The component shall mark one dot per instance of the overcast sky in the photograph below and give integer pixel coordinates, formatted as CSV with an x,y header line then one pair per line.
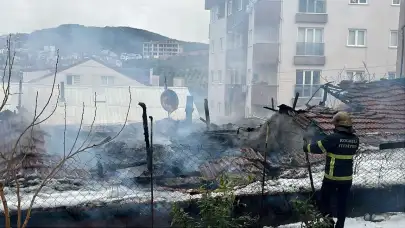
x,y
179,19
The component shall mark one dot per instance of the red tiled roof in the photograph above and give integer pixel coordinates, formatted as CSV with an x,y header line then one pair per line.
x,y
382,110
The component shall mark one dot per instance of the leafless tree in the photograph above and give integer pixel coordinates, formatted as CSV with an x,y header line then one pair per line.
x,y
14,163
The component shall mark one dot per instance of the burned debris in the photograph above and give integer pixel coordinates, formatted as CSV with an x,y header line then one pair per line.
x,y
24,154
178,157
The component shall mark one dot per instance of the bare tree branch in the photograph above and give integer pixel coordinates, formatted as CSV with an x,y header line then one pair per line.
x,y
71,155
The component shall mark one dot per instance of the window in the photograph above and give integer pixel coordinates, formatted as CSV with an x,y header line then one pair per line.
x,y
239,40
227,109
307,83
357,37
221,43
219,76
394,38
221,10
233,75
240,5
312,6
396,2
250,37
231,41
72,79
212,76
107,80
392,75
219,107
358,1
229,7
355,75
214,14
310,41
212,46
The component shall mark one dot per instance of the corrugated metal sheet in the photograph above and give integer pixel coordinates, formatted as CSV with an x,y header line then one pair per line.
x,y
112,111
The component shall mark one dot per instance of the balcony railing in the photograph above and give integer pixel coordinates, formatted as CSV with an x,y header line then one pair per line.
x,y
312,6
307,91
307,48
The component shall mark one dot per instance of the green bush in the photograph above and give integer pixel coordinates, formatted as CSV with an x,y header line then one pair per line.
x,y
213,211
308,214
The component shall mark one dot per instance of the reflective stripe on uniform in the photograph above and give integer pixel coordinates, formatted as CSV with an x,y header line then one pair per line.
x,y
339,156
320,145
331,177
331,166
333,158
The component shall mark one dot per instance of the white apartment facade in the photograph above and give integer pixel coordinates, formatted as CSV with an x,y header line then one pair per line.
x,y
264,49
401,42
157,49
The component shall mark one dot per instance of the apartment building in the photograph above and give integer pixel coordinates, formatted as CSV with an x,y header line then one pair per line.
x,y
264,49
157,49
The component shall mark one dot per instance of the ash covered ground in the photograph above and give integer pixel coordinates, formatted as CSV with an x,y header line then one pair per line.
x,y
187,157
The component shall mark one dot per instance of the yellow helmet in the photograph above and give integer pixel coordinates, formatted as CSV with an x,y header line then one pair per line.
x,y
342,119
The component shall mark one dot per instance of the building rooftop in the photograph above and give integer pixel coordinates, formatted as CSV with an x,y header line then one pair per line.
x,y
377,108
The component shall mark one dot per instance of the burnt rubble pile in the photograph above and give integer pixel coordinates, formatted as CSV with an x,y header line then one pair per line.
x,y
189,156
178,154
24,154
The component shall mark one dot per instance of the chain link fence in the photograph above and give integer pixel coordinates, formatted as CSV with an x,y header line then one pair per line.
x,y
253,164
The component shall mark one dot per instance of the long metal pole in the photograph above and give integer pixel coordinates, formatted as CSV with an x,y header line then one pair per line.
x,y
402,51
151,171
264,172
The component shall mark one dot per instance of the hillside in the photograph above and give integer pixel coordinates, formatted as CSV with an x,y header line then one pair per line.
x,y
71,38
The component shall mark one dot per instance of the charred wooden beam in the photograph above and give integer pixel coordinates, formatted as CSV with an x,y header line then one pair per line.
x,y
146,134
297,95
272,108
207,114
269,108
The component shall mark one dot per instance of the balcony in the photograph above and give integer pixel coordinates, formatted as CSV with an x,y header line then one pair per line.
x,y
236,55
266,53
238,21
312,6
308,53
267,12
311,18
211,3
261,94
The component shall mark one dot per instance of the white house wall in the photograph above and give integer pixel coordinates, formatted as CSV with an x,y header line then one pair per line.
x,y
90,75
112,111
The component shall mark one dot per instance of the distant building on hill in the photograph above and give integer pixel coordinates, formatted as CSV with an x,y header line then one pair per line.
x,y
157,49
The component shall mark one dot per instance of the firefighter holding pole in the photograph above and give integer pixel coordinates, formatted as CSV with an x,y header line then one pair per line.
x,y
339,148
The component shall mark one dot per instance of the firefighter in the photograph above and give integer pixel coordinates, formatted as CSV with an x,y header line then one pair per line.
x,y
339,148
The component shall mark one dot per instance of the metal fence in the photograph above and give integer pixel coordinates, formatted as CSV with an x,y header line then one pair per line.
x,y
140,183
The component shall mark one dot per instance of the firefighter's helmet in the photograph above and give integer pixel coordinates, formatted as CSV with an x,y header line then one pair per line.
x,y
342,119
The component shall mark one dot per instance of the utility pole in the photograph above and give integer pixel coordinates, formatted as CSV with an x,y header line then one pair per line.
x,y
402,50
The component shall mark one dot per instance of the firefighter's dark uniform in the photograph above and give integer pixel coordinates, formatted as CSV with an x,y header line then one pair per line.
x,y
339,148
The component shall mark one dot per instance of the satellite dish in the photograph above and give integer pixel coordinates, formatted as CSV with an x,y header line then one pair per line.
x,y
169,100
